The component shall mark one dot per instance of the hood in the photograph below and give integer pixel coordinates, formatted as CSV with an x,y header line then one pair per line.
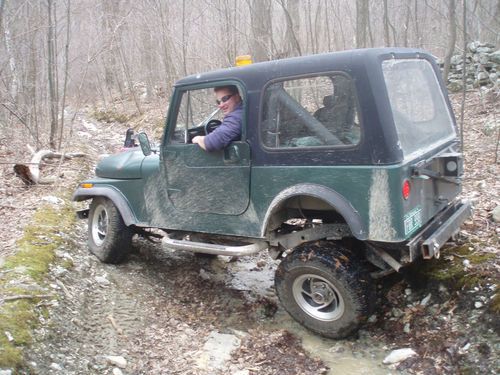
x,y
125,165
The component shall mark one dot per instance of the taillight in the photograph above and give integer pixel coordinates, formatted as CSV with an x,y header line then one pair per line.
x,y
406,189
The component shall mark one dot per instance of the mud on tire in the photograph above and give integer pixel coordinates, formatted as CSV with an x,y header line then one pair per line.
x,y
326,288
109,239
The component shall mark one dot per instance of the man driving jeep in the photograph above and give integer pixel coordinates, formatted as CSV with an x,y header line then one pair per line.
x,y
229,101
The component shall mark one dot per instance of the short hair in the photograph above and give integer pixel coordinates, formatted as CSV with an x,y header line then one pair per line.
x,y
231,88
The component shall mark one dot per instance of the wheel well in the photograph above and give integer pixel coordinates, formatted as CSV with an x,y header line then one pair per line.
x,y
303,207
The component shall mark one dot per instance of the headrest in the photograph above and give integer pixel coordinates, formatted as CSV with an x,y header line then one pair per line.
x,y
328,101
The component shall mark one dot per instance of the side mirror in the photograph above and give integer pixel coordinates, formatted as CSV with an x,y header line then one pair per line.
x,y
144,142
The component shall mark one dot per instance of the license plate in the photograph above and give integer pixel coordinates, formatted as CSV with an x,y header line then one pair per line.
x,y
413,220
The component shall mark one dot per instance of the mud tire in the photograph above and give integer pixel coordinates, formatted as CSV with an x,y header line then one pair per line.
x,y
325,274
109,239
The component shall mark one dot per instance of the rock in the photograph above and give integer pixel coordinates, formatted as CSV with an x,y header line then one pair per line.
x,y
102,280
53,200
58,271
407,291
372,319
495,57
397,313
495,214
464,349
484,49
116,360
9,336
204,274
217,350
117,371
472,46
456,59
242,372
5,372
466,264
483,78
478,304
426,300
455,85
399,355
406,328
55,367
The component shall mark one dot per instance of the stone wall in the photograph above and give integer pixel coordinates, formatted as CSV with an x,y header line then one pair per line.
x,y
482,66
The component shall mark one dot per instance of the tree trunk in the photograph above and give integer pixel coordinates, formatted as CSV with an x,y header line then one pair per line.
x,y
261,21
66,71
387,41
452,37
51,76
291,45
362,9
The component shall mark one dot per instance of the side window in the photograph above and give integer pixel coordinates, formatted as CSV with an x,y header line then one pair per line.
x,y
310,112
197,107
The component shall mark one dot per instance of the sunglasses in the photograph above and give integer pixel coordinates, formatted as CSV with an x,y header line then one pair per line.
x,y
224,99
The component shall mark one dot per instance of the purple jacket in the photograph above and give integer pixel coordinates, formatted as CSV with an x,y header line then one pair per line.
x,y
228,131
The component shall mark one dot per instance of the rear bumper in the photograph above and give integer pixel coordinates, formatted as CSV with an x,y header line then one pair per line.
x,y
429,240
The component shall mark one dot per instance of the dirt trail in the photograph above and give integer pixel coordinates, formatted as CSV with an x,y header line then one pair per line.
x,y
167,312
160,309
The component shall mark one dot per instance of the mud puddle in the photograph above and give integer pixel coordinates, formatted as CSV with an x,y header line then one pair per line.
x,y
255,277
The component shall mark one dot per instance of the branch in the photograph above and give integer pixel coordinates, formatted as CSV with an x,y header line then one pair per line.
x,y
30,172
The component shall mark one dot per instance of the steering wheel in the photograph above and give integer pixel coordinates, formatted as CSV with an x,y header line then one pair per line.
x,y
211,126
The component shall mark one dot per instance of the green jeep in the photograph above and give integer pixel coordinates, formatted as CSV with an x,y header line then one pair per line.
x,y
348,168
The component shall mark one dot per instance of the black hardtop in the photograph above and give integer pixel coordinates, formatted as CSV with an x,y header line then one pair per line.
x,y
255,75
379,144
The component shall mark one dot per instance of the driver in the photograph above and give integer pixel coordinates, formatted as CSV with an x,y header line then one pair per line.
x,y
229,101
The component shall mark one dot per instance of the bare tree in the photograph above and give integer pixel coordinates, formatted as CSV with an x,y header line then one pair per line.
x,y
452,30
261,21
52,80
291,45
362,19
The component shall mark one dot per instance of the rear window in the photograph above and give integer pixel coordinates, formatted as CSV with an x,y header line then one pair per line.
x,y
420,113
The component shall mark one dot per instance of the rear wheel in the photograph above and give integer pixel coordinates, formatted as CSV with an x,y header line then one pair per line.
x,y
326,288
109,238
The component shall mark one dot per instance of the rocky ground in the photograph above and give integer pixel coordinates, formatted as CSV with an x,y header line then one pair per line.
x,y
165,312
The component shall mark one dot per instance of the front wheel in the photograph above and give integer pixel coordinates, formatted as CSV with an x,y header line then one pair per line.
x,y
325,288
109,238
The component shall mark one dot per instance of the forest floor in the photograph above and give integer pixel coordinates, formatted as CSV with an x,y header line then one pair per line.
x,y
165,312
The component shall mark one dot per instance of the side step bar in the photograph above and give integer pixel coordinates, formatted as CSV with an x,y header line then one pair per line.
x,y
208,248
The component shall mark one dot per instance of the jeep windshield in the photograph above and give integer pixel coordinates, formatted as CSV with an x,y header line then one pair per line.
x,y
418,106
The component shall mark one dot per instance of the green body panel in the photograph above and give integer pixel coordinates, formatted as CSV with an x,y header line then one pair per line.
x,y
208,182
124,165
243,195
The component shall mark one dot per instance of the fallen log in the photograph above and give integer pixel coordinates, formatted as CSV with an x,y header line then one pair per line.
x,y
29,173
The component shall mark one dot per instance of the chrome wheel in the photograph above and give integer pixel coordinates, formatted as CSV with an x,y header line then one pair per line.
x,y
318,297
100,223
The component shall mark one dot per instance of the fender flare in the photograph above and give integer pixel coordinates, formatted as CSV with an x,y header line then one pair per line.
x,y
334,199
113,194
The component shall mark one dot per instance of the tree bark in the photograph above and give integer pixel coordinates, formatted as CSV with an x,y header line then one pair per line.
x,y
387,42
66,71
452,38
51,76
362,9
261,20
291,42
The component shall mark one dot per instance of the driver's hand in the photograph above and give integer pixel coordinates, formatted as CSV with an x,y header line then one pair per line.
x,y
200,141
